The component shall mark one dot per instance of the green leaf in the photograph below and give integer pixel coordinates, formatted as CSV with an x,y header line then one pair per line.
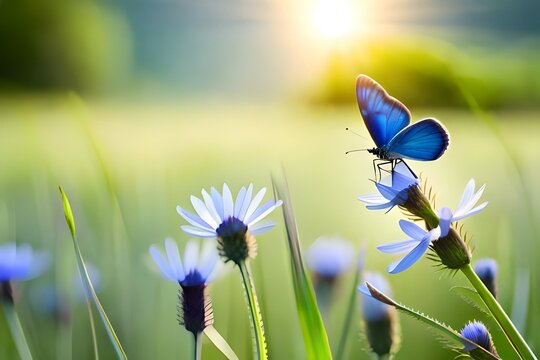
x,y
220,343
442,328
90,292
315,337
471,297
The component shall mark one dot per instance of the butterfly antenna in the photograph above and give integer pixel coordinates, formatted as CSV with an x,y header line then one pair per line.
x,y
357,134
355,150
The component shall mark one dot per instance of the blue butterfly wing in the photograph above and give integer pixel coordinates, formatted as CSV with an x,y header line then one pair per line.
x,y
383,115
425,140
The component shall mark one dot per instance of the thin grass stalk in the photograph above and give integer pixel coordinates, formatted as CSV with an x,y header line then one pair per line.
x,y
255,313
16,331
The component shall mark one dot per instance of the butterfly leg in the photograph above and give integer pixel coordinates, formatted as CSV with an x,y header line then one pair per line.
x,y
380,164
397,161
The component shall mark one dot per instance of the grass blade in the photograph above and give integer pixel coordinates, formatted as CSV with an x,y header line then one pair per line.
x,y
315,338
220,343
442,328
90,292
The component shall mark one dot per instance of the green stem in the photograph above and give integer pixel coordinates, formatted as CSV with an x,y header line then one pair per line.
x,y
197,346
499,314
93,329
16,331
255,313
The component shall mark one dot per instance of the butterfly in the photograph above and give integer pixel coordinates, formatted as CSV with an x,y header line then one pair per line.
x,y
387,121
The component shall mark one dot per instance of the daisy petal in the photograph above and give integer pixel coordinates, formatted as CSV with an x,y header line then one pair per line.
x,y
467,194
175,263
411,229
386,191
245,205
470,204
261,212
210,206
472,212
254,203
203,212
409,259
228,206
195,231
372,199
239,201
193,219
398,247
380,206
208,260
191,256
161,263
218,202
445,220
262,227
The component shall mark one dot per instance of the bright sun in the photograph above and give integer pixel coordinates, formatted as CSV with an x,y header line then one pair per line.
x,y
333,18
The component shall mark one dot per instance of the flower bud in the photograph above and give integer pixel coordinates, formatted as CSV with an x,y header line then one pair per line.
x,y
477,333
486,269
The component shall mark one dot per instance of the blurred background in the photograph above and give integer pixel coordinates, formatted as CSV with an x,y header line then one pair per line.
x,y
132,106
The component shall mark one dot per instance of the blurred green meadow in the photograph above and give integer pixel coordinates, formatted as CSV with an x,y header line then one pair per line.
x,y
132,107
126,166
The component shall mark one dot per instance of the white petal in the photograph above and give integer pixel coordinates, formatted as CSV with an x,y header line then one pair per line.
x,y
261,212
161,263
228,206
472,201
208,260
467,194
262,227
245,205
203,212
471,212
175,262
218,202
373,199
254,203
193,219
191,256
210,206
198,232
239,201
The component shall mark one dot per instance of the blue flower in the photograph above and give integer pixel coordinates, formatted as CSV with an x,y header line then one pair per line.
x,y
21,262
329,257
477,332
194,270
465,208
373,309
393,189
219,216
486,269
415,247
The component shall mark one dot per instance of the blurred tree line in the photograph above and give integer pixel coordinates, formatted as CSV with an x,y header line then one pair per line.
x,y
427,73
80,45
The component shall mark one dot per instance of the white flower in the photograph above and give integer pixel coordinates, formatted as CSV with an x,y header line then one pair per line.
x,y
465,208
219,214
194,270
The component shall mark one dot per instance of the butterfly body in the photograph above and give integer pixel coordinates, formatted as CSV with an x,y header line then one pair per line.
x,y
387,121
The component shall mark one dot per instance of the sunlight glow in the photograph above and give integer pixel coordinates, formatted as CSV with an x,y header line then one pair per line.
x,y
333,18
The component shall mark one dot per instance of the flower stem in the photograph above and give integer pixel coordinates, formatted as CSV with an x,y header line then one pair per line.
x,y
499,314
197,346
255,313
16,331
